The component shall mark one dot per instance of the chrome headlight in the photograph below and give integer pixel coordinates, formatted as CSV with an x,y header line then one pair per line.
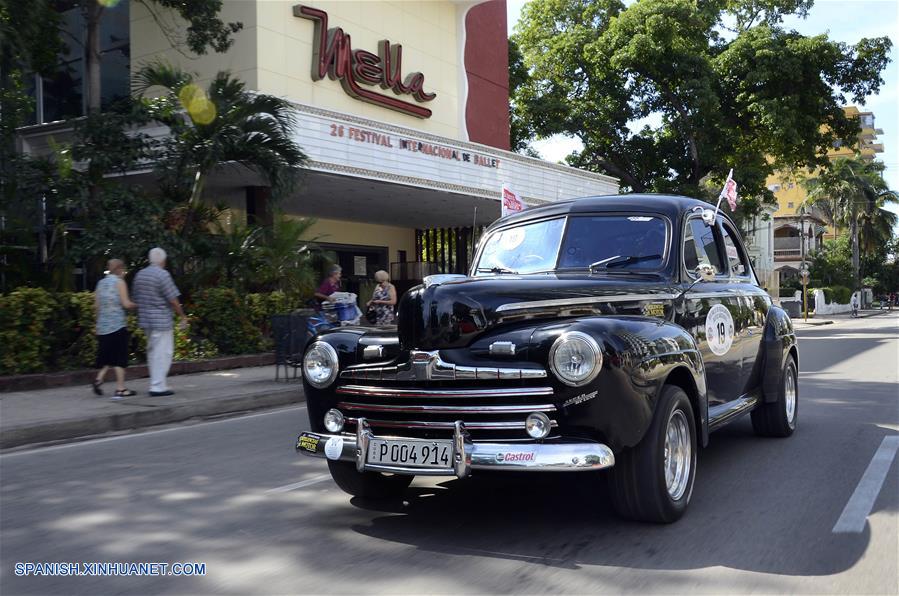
x,y
320,364
575,358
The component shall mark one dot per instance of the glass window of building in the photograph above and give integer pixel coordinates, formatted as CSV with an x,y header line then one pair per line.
x,y
62,95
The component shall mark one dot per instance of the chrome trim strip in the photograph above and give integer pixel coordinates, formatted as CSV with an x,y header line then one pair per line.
x,y
372,391
429,366
586,301
510,409
503,425
373,352
502,348
467,455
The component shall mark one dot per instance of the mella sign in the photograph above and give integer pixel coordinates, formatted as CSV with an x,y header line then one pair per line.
x,y
333,55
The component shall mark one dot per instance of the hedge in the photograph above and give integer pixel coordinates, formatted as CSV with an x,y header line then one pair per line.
x,y
42,331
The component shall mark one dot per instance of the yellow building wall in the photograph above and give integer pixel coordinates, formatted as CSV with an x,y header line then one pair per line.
x,y
150,43
791,193
273,52
353,232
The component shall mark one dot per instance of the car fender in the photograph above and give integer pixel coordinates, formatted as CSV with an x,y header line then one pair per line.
x,y
780,340
640,354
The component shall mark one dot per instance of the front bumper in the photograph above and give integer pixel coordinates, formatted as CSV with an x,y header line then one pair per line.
x,y
467,455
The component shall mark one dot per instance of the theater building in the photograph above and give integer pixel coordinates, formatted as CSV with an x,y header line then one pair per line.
x,y
402,108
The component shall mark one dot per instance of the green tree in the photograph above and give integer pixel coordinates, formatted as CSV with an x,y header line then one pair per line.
x,y
664,101
852,193
224,123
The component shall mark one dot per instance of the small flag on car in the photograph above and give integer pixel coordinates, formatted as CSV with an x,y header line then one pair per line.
x,y
729,191
512,202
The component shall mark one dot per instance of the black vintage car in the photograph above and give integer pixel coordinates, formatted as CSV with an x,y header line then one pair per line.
x,y
609,332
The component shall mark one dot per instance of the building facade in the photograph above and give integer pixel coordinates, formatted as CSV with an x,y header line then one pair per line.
x,y
401,107
797,230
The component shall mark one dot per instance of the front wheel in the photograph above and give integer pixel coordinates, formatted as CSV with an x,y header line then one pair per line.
x,y
778,418
653,481
369,485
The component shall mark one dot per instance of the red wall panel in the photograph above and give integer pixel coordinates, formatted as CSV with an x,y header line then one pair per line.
x,y
487,69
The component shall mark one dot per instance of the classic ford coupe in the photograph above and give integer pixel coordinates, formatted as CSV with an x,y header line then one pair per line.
x,y
600,333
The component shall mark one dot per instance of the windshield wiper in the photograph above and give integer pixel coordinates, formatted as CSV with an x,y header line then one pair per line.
x,y
619,260
496,270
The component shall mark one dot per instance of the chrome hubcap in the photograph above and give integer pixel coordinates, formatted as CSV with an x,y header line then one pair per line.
x,y
678,455
790,395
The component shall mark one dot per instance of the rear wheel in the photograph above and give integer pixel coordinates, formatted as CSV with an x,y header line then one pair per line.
x,y
653,481
369,485
778,418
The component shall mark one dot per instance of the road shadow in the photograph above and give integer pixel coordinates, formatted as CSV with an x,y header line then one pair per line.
x,y
751,511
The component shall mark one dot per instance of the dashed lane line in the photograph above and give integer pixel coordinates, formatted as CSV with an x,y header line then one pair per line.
x,y
855,514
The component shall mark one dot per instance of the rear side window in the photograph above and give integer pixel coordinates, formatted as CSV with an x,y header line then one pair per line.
x,y
699,247
736,260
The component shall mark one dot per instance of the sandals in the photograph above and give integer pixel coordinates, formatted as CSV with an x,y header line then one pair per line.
x,y
120,393
95,384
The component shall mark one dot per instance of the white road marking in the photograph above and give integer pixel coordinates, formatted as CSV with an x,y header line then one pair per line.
x,y
79,443
301,484
856,512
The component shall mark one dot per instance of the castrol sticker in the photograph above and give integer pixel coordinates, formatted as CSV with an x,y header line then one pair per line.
x,y
334,447
719,330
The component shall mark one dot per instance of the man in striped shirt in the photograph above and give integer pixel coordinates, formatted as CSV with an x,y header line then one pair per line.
x,y
156,296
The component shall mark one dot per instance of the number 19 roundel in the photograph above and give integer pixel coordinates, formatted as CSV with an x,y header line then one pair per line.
x,y
719,330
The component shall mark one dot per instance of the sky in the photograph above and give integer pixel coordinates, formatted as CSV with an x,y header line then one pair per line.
x,y
843,20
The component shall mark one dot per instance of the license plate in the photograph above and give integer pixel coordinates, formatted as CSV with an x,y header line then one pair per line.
x,y
419,454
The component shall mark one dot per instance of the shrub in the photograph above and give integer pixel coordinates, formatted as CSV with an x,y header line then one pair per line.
x,y
261,307
837,294
24,343
220,316
73,343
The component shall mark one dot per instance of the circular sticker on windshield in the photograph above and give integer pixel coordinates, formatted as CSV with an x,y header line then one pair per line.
x,y
511,239
719,329
334,448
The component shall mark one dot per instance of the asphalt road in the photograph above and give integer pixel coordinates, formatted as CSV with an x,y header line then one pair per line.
x,y
225,493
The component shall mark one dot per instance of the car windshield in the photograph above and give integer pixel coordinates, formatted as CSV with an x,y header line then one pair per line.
x,y
522,249
600,242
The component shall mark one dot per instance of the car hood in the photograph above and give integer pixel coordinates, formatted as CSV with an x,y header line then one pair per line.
x,y
453,314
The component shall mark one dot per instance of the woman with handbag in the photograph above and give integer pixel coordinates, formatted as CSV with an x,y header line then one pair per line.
x,y
383,301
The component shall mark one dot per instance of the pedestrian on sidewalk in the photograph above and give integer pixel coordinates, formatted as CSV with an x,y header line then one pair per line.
x,y
110,301
383,300
330,284
157,296
855,305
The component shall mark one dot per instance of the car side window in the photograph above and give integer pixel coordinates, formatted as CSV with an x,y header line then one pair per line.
x,y
736,260
699,246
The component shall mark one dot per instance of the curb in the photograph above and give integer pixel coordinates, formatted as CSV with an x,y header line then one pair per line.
x,y
33,381
83,427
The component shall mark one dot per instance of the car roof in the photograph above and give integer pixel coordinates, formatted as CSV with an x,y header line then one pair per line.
x,y
670,205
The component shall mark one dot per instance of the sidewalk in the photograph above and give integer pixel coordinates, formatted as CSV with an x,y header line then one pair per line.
x,y
798,323
42,415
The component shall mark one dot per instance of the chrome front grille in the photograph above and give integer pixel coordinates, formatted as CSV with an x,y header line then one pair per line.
x,y
489,413
428,366
425,395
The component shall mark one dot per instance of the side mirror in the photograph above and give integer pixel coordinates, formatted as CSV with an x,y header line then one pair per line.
x,y
705,272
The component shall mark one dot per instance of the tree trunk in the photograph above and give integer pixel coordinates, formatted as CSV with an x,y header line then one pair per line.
x,y
853,233
92,58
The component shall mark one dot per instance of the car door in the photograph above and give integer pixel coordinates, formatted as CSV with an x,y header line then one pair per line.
x,y
708,311
752,309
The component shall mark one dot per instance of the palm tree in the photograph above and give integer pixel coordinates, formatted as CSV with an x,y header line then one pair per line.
x,y
222,124
852,193
285,256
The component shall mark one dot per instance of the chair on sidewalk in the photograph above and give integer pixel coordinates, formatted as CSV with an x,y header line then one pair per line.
x,y
291,333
